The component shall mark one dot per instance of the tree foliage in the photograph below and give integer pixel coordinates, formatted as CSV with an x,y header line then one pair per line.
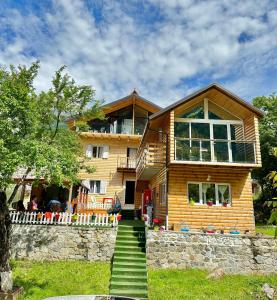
x,y
268,141
34,137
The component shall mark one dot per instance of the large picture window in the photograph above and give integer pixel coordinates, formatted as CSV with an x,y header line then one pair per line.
x,y
206,192
207,132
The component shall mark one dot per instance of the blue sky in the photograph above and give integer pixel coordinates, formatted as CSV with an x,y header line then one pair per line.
x,y
165,49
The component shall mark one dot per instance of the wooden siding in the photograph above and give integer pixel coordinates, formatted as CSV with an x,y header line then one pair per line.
x,y
106,169
159,208
141,185
239,214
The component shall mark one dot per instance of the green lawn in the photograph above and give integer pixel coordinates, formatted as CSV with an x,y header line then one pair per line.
x,y
267,230
62,278
47,279
192,284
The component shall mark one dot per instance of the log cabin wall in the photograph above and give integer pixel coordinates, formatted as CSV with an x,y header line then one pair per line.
x,y
106,168
159,204
239,214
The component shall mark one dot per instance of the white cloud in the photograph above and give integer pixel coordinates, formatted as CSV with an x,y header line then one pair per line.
x,y
193,41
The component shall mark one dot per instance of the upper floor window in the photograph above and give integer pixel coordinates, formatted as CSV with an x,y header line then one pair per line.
x,y
196,112
131,119
93,151
205,109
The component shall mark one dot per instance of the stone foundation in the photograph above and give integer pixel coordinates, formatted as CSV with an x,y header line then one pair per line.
x,y
46,242
234,254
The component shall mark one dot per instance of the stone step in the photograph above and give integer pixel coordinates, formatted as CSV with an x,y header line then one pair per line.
x,y
130,243
128,271
129,264
130,237
133,278
131,234
129,248
130,292
127,258
130,254
128,285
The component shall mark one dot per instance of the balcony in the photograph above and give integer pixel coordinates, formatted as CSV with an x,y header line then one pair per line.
x,y
151,158
126,164
215,151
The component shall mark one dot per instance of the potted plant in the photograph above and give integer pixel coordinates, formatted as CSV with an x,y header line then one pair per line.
x,y
74,218
210,203
225,203
191,202
210,229
93,217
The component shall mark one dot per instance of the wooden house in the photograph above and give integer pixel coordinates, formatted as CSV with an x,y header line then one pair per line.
x,y
196,155
111,147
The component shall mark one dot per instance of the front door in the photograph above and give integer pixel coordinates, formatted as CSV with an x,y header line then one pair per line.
x,y
130,192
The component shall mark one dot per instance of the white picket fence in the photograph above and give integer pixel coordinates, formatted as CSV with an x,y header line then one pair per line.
x,y
63,219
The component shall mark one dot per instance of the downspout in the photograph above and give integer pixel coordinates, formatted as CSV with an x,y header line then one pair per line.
x,y
167,181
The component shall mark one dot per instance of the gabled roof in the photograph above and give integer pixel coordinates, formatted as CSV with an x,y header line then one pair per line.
x,y
135,98
204,90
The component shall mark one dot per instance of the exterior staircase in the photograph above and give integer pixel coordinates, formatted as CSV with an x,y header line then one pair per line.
x,y
128,214
129,274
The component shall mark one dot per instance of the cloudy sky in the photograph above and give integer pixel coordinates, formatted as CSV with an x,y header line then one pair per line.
x,y
165,49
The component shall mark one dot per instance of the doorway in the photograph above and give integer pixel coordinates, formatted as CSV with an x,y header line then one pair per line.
x,y
130,192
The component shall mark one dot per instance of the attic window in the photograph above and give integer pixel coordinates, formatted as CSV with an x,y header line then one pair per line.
x,y
194,113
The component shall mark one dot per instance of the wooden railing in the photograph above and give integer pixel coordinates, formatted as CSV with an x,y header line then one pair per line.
x,y
63,219
151,155
126,163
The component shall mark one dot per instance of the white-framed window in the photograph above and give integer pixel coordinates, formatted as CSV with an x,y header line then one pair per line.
x,y
162,193
97,186
93,151
205,192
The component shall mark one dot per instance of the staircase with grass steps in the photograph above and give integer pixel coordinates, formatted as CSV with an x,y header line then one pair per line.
x,y
129,274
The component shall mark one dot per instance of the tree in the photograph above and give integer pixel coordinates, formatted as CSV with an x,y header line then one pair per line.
x,y
34,138
268,141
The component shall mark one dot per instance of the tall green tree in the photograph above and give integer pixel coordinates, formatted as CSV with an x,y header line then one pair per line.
x,y
34,138
268,140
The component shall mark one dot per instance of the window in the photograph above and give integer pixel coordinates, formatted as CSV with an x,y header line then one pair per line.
x,y
97,151
204,192
194,113
98,186
162,193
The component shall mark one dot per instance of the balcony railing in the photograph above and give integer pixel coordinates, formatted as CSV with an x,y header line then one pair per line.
x,y
151,155
206,150
126,163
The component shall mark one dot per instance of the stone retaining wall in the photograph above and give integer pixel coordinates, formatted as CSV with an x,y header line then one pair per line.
x,y
234,254
46,242
168,249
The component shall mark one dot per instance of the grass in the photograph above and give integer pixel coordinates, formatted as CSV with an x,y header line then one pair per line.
x,y
192,284
45,279
266,229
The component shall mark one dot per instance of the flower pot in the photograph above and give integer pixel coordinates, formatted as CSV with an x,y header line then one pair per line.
x,y
210,203
225,204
